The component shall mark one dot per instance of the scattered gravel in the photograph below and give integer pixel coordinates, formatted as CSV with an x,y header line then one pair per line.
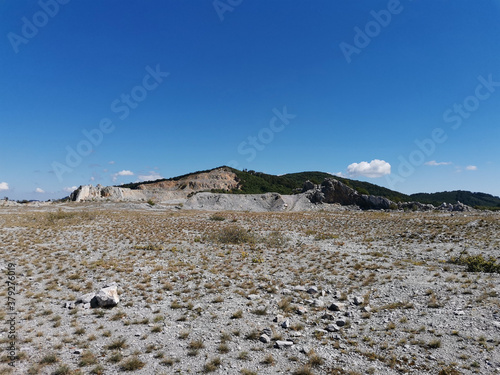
x,y
329,292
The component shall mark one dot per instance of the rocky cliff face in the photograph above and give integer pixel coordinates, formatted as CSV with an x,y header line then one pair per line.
x,y
89,192
217,179
220,179
334,191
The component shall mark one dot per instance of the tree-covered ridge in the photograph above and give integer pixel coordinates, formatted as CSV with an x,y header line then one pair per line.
x,y
466,197
252,182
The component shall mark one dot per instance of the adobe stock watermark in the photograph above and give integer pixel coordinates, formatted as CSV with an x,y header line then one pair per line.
x,y
223,6
372,29
253,144
454,115
121,107
32,25
11,314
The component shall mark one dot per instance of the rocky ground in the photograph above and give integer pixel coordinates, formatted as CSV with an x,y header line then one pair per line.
x,y
323,292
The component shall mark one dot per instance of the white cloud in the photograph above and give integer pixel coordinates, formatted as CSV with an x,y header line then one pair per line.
x,y
338,174
122,173
375,168
150,177
125,173
4,186
111,162
434,163
471,168
70,189
39,190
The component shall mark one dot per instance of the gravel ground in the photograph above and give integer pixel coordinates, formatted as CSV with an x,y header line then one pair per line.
x,y
322,292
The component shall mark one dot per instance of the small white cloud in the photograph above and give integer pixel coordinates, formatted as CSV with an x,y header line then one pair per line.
x,y
471,168
150,177
70,189
338,174
434,163
122,173
39,190
111,162
4,186
375,168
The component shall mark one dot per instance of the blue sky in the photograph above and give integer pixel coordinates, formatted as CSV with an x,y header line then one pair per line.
x,y
404,94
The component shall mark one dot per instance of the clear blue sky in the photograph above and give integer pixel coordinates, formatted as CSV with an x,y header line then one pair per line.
x,y
167,87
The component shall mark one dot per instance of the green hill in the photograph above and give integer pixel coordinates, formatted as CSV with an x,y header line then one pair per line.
x,y
478,200
252,182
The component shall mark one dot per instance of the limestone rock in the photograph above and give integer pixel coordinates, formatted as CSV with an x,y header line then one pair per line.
x,y
332,328
280,344
337,306
301,310
86,298
318,303
341,322
265,338
357,300
328,316
312,290
107,297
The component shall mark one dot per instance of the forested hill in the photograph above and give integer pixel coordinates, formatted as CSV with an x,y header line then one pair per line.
x,y
252,182
478,200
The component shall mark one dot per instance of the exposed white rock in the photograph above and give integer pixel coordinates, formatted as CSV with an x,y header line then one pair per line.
x,y
107,297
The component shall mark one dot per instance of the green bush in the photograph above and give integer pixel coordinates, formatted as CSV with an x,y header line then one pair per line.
x,y
235,235
477,263
217,217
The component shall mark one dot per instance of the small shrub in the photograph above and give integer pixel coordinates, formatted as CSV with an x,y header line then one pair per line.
x,y
49,359
268,360
115,357
213,365
252,335
260,311
449,370
87,359
243,356
169,361
315,360
223,348
237,315
235,235
117,344
304,370
276,239
132,364
98,370
62,370
285,304
196,345
434,344
157,329
217,217
477,263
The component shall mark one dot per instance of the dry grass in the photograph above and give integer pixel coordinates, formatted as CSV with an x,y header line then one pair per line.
x,y
179,271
